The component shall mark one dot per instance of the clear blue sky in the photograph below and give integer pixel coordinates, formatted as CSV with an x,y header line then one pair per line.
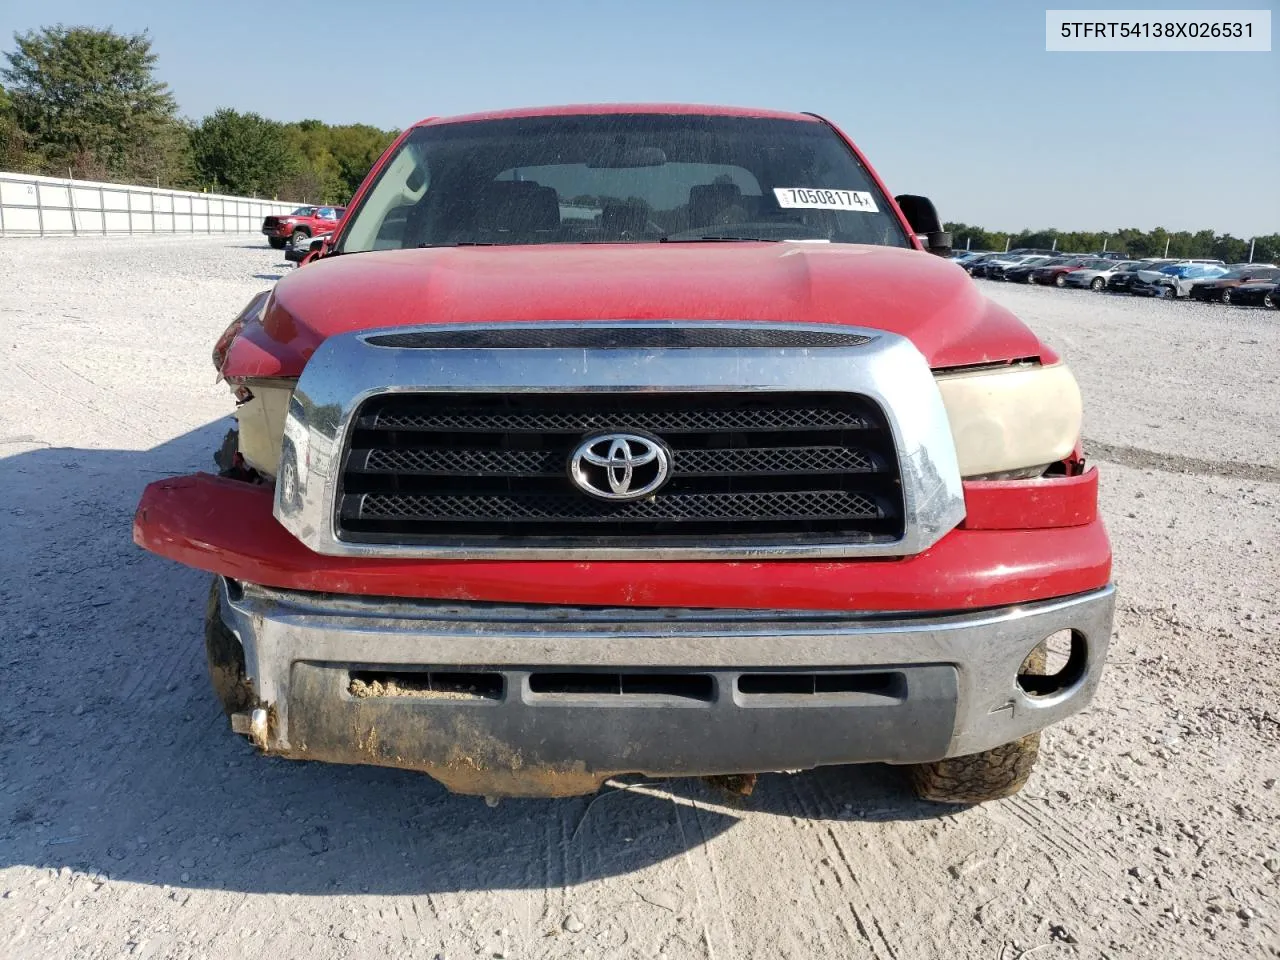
x,y
959,101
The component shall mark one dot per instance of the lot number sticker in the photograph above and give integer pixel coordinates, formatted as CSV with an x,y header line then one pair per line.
x,y
810,198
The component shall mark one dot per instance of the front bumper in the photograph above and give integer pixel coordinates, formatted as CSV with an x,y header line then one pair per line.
x,y
559,699
1020,540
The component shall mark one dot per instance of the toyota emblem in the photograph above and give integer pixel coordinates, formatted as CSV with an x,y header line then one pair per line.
x,y
620,466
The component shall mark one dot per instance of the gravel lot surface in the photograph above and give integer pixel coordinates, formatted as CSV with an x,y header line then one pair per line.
x,y
132,823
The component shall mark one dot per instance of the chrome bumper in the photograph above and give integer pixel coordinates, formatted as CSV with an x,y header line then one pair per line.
x,y
905,689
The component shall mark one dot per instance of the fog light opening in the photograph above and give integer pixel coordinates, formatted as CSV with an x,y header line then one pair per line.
x,y
1056,664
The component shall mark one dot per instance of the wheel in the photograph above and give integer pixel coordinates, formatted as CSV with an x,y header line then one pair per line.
x,y
300,239
1060,280
999,772
1031,280
1171,293
990,775
1099,284
277,243
226,659
1271,300
1226,296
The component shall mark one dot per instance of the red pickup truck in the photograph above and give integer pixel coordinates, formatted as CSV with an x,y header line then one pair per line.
x,y
305,223
643,440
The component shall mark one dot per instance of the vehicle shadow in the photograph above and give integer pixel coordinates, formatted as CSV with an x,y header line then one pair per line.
x,y
116,759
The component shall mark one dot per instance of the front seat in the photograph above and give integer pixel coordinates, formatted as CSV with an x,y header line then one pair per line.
x,y
625,218
521,208
715,204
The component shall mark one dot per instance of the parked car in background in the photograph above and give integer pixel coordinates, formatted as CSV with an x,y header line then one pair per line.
x,y
968,256
1220,290
1255,293
994,269
1174,280
1054,274
1122,280
1098,274
304,222
1022,272
977,266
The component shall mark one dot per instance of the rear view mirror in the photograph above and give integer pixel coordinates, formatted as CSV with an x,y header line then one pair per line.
x,y
923,218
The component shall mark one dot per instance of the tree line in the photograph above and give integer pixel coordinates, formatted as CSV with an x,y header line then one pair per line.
x,y
1131,241
85,103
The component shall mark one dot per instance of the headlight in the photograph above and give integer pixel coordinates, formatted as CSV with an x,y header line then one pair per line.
x,y
1012,422
260,411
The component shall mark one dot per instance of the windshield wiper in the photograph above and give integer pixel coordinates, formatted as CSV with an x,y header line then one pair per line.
x,y
459,243
721,238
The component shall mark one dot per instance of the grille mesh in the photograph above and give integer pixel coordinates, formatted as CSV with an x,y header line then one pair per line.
x,y
475,469
656,421
763,507
548,463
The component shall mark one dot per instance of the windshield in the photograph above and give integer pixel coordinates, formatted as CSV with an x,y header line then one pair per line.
x,y
621,178
302,211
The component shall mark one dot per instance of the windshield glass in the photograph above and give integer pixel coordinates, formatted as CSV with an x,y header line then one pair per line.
x,y
621,178
302,212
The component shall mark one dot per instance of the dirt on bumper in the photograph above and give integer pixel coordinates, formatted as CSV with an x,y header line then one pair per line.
x,y
503,701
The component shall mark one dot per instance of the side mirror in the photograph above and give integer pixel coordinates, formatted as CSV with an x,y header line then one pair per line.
x,y
306,253
314,249
923,217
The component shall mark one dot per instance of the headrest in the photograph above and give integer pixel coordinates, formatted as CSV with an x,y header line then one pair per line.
x,y
518,206
709,199
617,216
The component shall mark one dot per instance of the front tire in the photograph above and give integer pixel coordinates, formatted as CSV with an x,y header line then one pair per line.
x,y
979,777
1099,284
226,658
1226,296
1060,280
1271,300
300,239
277,243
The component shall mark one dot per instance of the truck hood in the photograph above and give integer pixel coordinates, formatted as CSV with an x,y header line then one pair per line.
x,y
927,299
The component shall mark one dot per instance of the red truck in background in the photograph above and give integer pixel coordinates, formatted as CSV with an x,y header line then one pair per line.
x,y
643,439
304,224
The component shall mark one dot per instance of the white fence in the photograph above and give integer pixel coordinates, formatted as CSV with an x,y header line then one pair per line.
x,y
43,206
